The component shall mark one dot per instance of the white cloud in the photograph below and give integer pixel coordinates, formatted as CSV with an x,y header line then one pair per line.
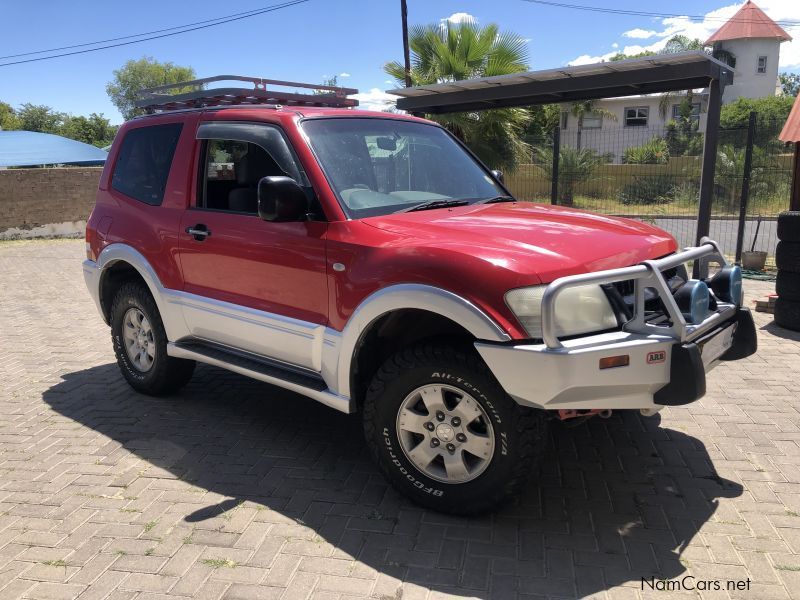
x,y
778,10
459,17
375,99
344,74
615,45
639,34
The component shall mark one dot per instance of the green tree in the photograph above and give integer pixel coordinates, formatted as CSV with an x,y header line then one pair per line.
x,y
542,120
790,83
41,118
772,114
143,73
452,52
94,129
588,107
8,117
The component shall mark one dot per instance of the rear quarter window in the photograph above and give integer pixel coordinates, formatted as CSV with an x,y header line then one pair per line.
x,y
144,161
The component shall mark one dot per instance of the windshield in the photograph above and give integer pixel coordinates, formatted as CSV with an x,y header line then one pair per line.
x,y
378,166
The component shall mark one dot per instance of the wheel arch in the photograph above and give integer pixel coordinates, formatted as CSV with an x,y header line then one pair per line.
x,y
400,315
120,263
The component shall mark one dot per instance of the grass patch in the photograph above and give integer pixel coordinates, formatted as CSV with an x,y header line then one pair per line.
x,y
149,551
149,525
787,568
219,563
55,563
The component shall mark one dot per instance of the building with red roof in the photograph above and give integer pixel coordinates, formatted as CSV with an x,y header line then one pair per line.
x,y
750,41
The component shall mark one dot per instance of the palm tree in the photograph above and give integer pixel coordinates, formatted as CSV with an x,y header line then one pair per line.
x,y
452,52
584,107
574,167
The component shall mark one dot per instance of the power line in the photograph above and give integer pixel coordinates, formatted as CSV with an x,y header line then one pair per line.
x,y
183,29
641,13
128,37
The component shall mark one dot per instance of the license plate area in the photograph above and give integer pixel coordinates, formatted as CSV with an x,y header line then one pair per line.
x,y
716,344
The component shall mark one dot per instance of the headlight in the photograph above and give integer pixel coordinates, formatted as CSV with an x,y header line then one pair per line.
x,y
580,309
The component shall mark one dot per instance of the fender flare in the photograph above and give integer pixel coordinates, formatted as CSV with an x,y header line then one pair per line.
x,y
171,314
410,296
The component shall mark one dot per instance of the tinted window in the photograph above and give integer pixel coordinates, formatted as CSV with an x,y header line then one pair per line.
x,y
378,166
144,161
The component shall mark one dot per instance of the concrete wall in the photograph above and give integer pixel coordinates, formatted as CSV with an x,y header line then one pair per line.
x,y
747,82
46,202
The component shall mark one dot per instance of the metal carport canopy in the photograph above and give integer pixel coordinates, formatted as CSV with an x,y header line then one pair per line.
x,y
634,76
631,77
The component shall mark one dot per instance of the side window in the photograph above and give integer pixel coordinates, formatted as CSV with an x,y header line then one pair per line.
x,y
144,161
236,156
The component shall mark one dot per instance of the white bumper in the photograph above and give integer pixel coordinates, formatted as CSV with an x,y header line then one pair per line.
x,y
91,274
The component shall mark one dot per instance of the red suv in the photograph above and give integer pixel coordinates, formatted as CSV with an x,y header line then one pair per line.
x,y
371,262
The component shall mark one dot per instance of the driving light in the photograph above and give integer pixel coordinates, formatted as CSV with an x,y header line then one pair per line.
x,y
693,300
727,284
580,309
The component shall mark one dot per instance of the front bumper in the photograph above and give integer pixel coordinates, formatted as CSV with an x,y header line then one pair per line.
x,y
667,363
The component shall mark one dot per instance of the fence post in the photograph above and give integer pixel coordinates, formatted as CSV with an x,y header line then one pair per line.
x,y
554,172
709,159
748,169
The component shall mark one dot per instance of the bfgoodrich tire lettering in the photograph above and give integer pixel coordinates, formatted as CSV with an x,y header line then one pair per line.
x,y
166,374
519,434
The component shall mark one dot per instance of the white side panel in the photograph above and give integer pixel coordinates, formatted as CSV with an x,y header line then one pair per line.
x,y
282,338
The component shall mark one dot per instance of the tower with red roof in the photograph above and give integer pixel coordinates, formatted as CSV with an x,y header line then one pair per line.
x,y
750,41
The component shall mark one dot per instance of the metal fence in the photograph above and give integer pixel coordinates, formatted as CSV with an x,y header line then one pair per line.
x,y
653,174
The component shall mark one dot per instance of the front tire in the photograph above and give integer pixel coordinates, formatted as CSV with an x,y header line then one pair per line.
x,y
140,344
445,433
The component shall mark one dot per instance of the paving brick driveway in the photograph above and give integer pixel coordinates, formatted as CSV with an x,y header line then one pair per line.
x,y
236,489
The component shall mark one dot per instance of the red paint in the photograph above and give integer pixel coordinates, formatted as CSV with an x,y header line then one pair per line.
x,y
478,252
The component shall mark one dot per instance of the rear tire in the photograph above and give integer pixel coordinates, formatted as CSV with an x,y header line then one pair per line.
x,y
787,256
789,226
787,314
481,446
140,344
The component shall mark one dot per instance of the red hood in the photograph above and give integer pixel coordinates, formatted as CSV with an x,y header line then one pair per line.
x,y
532,239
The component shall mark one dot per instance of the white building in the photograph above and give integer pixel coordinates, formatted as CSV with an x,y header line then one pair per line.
x,y
750,42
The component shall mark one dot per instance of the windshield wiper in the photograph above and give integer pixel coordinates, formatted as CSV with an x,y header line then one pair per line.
x,y
496,199
434,204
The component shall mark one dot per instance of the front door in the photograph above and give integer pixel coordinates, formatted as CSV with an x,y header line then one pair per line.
x,y
251,284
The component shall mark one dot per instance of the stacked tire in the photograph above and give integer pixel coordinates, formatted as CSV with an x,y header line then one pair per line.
x,y
787,258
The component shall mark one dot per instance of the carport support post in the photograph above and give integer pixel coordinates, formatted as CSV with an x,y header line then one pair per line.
x,y
794,204
748,168
554,171
709,159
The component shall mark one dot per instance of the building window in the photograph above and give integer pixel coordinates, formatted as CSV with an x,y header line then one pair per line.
x,y
695,116
592,121
564,119
636,116
762,64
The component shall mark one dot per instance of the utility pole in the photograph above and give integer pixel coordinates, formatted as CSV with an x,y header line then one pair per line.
x,y
406,55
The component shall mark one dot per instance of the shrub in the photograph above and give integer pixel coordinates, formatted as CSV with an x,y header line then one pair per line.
x,y
574,167
654,152
648,189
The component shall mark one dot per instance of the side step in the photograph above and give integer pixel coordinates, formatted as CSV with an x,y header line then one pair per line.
x,y
263,369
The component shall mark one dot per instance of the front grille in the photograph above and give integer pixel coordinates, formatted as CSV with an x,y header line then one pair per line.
x,y
621,294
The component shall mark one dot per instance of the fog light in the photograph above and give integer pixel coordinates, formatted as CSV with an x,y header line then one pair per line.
x,y
727,284
693,300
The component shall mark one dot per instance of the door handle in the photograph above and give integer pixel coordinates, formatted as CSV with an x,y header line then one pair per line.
x,y
199,232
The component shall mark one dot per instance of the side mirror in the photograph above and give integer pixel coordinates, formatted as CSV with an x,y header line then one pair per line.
x,y
281,199
498,175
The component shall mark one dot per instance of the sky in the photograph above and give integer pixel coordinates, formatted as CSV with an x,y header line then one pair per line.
x,y
317,39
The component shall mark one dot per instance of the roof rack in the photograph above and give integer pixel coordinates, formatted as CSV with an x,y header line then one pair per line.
x,y
197,94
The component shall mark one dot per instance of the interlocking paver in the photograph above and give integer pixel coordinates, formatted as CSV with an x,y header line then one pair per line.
x,y
235,489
